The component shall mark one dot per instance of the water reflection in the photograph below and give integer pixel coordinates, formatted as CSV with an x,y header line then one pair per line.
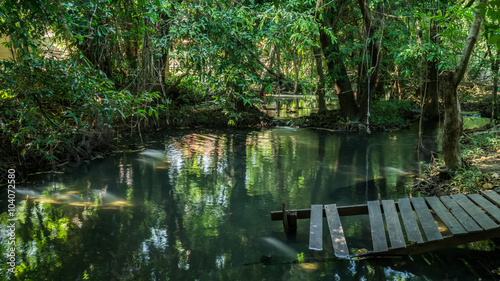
x,y
195,205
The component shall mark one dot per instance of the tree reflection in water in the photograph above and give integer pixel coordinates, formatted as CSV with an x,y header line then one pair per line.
x,y
196,205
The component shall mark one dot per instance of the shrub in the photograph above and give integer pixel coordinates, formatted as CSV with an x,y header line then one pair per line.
x,y
392,113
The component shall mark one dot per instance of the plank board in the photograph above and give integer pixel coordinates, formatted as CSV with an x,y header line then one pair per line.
x,y
493,196
409,221
459,213
449,220
393,225
426,220
336,231
489,207
377,227
479,216
447,242
316,228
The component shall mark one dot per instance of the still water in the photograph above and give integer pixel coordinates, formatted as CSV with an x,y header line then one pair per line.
x,y
195,205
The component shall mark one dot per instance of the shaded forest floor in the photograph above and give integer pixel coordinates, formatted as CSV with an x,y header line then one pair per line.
x,y
481,152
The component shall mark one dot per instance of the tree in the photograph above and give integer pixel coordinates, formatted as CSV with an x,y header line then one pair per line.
x,y
492,34
450,80
334,61
320,86
373,50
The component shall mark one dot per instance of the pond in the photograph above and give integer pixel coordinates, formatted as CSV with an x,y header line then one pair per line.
x,y
195,205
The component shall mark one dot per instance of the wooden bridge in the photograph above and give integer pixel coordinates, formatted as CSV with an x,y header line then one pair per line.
x,y
467,218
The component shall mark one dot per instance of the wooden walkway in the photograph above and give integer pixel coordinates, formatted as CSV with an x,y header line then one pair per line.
x,y
409,226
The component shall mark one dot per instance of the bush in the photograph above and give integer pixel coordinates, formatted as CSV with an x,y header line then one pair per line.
x,y
61,108
392,113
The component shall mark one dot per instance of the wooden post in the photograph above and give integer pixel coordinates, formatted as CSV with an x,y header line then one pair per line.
x,y
289,221
285,218
292,222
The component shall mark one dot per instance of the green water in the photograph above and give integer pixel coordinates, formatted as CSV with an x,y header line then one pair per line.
x,y
195,206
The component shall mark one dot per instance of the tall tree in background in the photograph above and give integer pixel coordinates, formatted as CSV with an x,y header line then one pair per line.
x,y
369,71
337,70
492,34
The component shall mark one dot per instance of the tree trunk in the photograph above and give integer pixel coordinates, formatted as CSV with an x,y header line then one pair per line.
x,y
449,81
371,73
335,64
297,64
431,105
164,30
396,86
494,70
338,73
320,87
269,65
452,121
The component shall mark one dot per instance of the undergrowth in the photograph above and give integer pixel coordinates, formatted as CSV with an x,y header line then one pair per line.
x,y
392,113
471,178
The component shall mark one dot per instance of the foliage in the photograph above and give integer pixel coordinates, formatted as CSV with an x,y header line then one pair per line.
x,y
493,21
473,179
477,144
469,180
392,113
127,64
42,120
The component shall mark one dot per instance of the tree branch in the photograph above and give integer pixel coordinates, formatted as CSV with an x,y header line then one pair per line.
x,y
43,111
258,60
469,4
459,72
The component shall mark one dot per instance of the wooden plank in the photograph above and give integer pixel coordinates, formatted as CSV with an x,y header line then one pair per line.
x,y
377,227
336,231
459,213
449,220
352,210
447,242
493,196
489,207
479,216
316,228
409,221
393,225
426,220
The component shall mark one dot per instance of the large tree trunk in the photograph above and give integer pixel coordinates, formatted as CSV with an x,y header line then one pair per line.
x,y
338,72
431,104
334,62
448,85
452,121
320,87
396,85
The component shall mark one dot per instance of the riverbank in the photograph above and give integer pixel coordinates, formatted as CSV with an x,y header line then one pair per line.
x,y
481,149
481,154
84,144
